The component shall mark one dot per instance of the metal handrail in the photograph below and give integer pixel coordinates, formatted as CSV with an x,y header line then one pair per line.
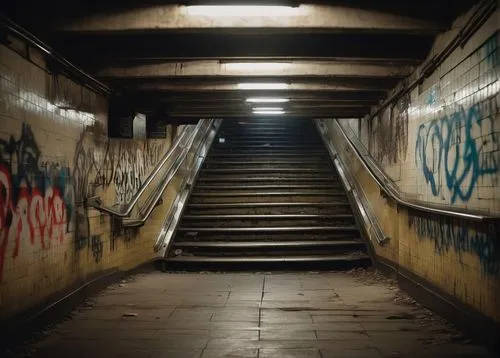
x,y
172,171
172,219
96,203
352,187
382,181
25,35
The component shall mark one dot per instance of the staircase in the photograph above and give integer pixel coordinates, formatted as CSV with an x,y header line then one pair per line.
x,y
267,196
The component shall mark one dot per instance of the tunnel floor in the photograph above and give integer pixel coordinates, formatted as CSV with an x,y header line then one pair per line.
x,y
354,314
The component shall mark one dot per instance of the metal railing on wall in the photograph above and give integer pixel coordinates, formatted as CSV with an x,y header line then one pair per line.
x,y
391,190
191,169
185,146
63,65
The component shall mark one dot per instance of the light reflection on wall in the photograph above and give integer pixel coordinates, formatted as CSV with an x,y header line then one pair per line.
x,y
461,98
37,102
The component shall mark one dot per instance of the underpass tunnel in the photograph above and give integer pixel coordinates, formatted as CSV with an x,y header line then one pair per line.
x,y
249,179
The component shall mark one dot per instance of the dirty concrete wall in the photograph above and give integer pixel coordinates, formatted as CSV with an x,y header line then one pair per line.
x,y
55,154
441,145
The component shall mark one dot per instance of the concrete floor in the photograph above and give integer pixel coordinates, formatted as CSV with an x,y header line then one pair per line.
x,y
357,314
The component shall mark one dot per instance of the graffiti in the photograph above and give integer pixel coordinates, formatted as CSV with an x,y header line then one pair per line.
x,y
130,172
96,247
36,198
40,201
93,162
389,133
100,163
152,153
132,167
458,150
462,237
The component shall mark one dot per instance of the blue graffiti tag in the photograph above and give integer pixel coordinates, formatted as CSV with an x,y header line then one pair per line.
x,y
462,237
440,144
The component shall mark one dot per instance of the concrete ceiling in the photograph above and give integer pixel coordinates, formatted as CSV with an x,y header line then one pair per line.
x,y
330,58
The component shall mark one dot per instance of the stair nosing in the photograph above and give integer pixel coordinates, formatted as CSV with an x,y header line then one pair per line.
x,y
284,259
269,229
244,205
268,217
216,195
257,244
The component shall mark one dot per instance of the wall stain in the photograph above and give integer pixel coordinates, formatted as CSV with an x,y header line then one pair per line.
x,y
96,247
388,140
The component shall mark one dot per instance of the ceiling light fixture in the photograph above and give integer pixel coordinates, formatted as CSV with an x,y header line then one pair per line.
x,y
269,112
267,109
267,100
257,66
241,10
262,86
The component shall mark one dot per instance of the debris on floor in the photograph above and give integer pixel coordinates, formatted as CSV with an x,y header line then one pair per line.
x,y
213,314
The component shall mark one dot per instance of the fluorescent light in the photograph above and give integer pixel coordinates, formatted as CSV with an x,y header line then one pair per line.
x,y
257,66
268,112
267,109
242,10
267,100
262,86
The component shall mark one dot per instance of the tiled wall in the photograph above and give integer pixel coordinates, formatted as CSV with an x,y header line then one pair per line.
x,y
441,143
54,154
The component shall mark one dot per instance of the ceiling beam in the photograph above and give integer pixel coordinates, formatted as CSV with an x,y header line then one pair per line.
x,y
293,95
294,86
150,46
313,18
214,68
290,105
305,115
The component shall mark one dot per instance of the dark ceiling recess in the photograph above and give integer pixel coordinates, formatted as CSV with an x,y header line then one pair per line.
x,y
335,66
121,116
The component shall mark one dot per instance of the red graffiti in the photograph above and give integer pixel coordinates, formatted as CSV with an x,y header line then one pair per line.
x,y
5,185
35,216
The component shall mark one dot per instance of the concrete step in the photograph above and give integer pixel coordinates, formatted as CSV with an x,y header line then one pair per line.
x,y
251,198
267,248
259,179
249,187
279,262
266,220
268,196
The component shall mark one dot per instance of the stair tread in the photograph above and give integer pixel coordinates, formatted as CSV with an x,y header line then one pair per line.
x,y
280,258
277,162
288,154
275,193
245,205
272,170
225,179
257,244
253,187
269,217
269,229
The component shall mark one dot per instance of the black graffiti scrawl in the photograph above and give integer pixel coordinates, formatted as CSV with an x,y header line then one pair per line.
x,y
462,237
